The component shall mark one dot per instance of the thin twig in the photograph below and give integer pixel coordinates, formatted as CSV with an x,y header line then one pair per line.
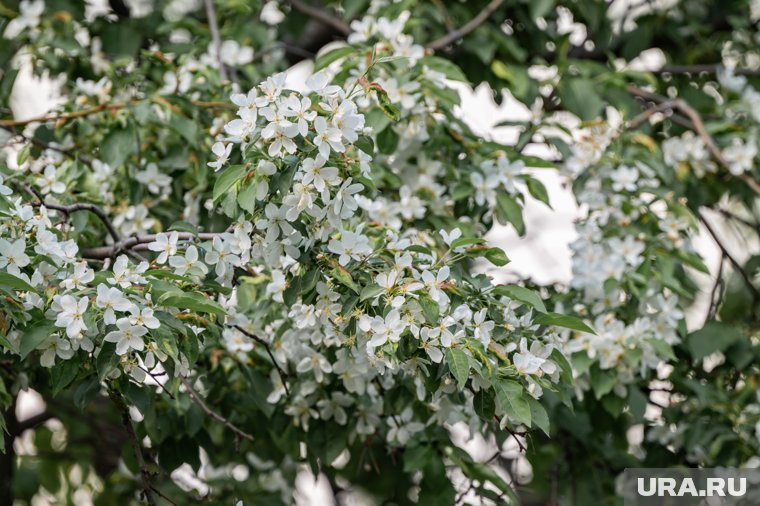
x,y
163,496
517,439
136,447
154,377
283,374
468,27
744,221
60,117
215,38
322,16
737,266
213,414
717,285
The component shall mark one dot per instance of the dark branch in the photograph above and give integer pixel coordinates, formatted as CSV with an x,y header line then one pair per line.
x,y
72,208
32,422
138,242
259,340
145,474
216,416
737,266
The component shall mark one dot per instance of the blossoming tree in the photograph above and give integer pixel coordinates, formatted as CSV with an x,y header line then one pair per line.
x,y
218,274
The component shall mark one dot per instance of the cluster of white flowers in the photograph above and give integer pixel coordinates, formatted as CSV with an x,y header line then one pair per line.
x,y
612,245
497,176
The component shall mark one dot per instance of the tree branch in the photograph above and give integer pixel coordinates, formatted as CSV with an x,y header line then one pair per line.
x,y
133,242
697,125
32,422
465,29
321,15
136,446
72,208
717,286
283,374
216,416
9,124
737,266
215,38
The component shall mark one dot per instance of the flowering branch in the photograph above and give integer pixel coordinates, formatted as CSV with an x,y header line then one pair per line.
x,y
213,414
466,28
697,125
137,242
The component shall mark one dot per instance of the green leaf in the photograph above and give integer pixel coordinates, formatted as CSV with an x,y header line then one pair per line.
x,y
579,96
183,226
185,127
118,145
247,196
389,59
416,457
226,179
522,86
637,402
62,374
34,336
389,109
538,415
23,154
602,380
459,365
496,256
139,397
562,320
509,396
387,140
366,144
509,211
466,241
429,308
107,360
714,336
15,282
525,295
662,348
326,59
192,301
444,66
344,277
484,405
538,190
539,8
370,292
